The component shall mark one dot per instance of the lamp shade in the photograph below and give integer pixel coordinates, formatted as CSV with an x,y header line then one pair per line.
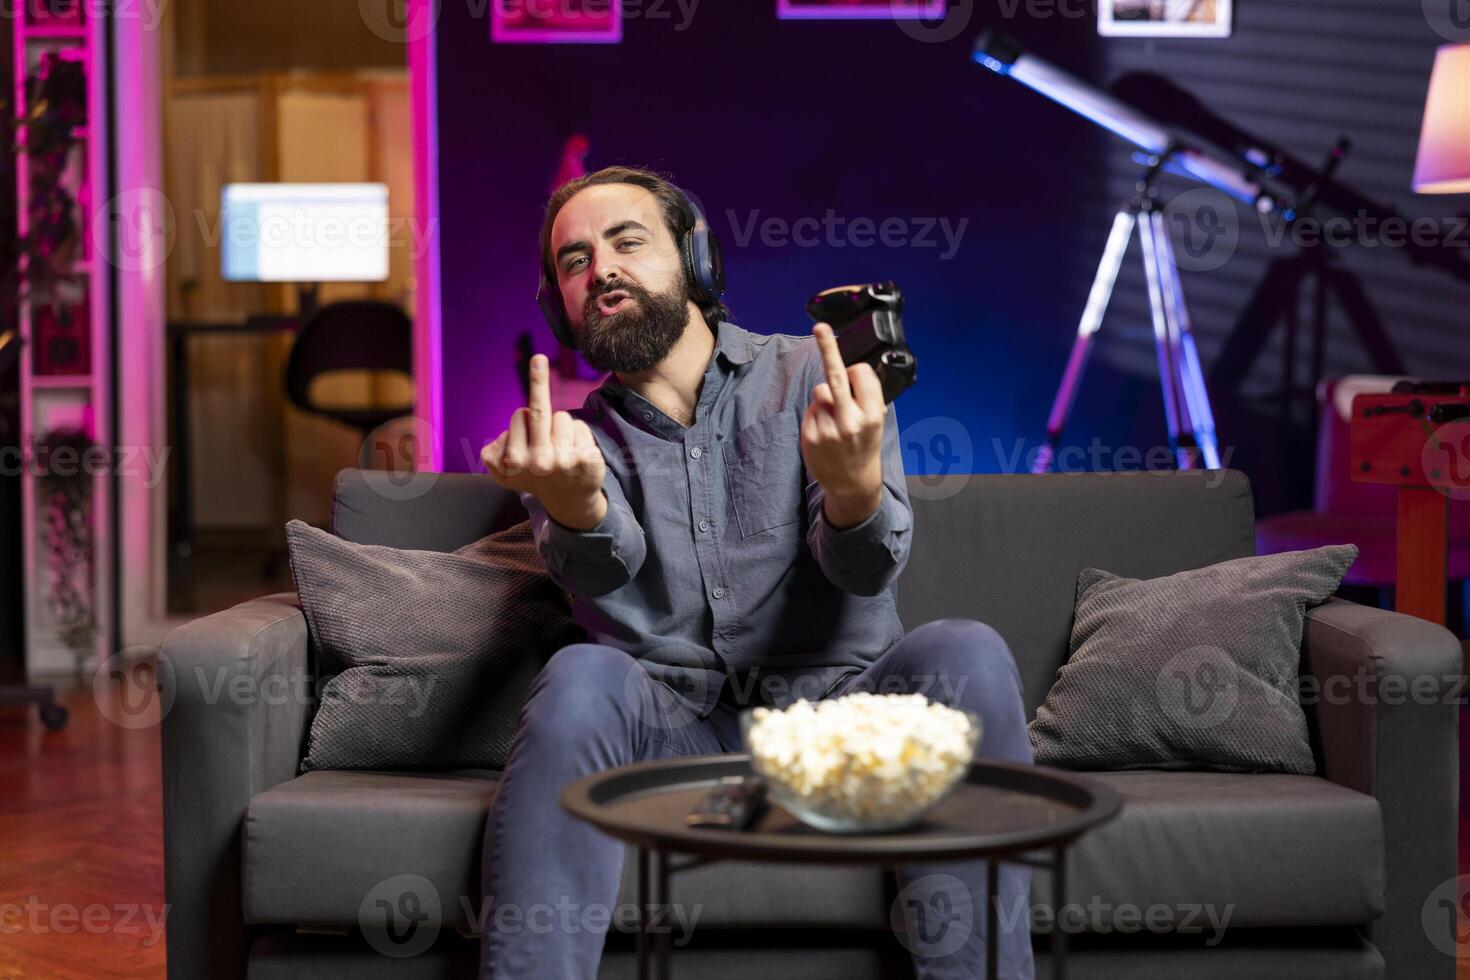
x,y
1444,145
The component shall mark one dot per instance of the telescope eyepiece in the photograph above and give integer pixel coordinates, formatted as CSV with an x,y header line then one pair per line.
x,y
996,50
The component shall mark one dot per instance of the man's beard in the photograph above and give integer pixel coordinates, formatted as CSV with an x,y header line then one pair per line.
x,y
638,336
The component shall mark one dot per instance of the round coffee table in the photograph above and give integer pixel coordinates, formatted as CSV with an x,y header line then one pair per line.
x,y
1002,812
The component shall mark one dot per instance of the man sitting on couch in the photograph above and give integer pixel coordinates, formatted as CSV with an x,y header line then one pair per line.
x,y
729,514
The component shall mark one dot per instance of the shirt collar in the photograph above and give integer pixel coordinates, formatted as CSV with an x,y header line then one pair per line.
x,y
732,343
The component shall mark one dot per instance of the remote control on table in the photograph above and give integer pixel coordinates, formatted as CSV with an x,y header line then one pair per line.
x,y
731,804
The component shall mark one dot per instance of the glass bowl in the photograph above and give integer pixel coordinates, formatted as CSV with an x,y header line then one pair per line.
x,y
863,763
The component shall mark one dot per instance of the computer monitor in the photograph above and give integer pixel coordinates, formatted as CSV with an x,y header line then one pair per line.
x,y
304,232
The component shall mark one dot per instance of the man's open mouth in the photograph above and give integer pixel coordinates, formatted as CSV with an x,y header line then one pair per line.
x,y
611,302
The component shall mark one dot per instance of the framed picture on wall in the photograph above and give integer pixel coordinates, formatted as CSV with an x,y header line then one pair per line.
x,y
858,9
556,21
1164,18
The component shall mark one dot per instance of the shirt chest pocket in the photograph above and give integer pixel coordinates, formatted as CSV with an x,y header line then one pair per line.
x,y
764,473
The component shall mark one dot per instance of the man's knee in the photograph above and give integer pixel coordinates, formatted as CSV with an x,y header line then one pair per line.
x,y
963,641
965,661
580,688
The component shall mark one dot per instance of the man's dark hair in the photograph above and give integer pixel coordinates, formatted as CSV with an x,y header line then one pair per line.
x,y
670,198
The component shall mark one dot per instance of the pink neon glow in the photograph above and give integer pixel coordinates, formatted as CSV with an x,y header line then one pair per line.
x,y
859,9
428,348
543,22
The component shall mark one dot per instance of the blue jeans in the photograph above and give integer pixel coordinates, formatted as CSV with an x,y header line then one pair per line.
x,y
594,708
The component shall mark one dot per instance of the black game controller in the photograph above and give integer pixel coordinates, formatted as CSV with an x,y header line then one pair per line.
x,y
868,322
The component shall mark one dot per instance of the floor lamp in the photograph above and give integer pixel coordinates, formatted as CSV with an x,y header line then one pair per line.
x,y
1443,167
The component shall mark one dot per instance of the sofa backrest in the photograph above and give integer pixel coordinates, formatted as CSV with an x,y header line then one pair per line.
x,y
423,511
1005,550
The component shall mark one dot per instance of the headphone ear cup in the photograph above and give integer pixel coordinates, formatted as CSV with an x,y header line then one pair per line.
x,y
551,308
704,263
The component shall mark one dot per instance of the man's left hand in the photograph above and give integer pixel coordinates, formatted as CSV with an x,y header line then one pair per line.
x,y
842,436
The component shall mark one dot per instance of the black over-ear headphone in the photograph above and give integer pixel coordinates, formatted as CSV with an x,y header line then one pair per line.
x,y
704,270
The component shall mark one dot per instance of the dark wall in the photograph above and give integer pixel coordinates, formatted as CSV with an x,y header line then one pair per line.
x,y
777,120
787,120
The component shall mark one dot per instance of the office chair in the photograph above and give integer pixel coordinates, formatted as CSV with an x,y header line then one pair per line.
x,y
353,335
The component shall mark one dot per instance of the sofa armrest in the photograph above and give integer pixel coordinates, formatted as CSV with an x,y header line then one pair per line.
x,y
1385,691
241,699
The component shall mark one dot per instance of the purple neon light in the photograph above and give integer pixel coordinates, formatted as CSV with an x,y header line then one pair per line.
x,y
859,9
557,27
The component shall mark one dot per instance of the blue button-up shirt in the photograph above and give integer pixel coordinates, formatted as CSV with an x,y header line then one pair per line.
x,y
715,565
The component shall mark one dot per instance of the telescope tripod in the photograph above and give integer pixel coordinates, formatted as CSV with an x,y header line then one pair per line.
x,y
1187,409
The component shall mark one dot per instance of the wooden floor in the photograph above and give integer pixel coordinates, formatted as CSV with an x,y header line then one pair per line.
x,y
81,846
81,851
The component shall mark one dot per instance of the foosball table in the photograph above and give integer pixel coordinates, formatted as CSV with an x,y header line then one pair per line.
x,y
1417,438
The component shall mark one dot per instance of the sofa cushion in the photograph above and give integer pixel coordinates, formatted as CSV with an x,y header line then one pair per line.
x,y
1266,850
1196,670
318,845
436,651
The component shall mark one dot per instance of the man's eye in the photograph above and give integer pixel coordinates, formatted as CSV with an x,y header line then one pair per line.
x,y
576,263
628,243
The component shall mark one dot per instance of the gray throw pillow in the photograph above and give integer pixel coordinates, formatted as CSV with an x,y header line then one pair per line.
x,y
436,652
1197,670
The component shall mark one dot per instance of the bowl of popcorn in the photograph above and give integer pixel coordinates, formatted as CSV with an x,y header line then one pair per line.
x,y
862,763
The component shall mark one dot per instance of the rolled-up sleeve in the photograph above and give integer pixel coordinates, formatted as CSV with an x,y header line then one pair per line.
x,y
593,562
866,558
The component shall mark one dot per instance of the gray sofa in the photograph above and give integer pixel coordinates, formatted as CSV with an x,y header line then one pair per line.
x,y
1322,876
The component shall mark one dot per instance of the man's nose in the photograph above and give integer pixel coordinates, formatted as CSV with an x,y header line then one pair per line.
x,y
608,274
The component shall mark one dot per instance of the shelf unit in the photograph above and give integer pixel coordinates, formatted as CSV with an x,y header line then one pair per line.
x,y
60,395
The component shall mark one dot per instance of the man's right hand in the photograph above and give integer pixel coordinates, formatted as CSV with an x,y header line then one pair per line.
x,y
551,456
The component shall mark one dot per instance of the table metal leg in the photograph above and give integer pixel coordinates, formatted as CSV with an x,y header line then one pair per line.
x,y
643,913
992,925
662,903
1059,940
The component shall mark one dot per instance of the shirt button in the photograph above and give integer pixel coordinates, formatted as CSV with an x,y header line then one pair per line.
x,y
696,452
648,416
704,525
718,592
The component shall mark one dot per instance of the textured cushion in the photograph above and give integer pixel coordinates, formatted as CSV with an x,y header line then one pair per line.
x,y
1267,849
1273,849
317,845
1197,670
1286,954
435,651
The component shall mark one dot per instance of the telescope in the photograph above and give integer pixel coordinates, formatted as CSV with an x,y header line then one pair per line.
x,y
1187,410
1248,177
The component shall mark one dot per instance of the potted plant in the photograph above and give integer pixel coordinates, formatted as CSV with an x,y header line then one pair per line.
x,y
64,499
